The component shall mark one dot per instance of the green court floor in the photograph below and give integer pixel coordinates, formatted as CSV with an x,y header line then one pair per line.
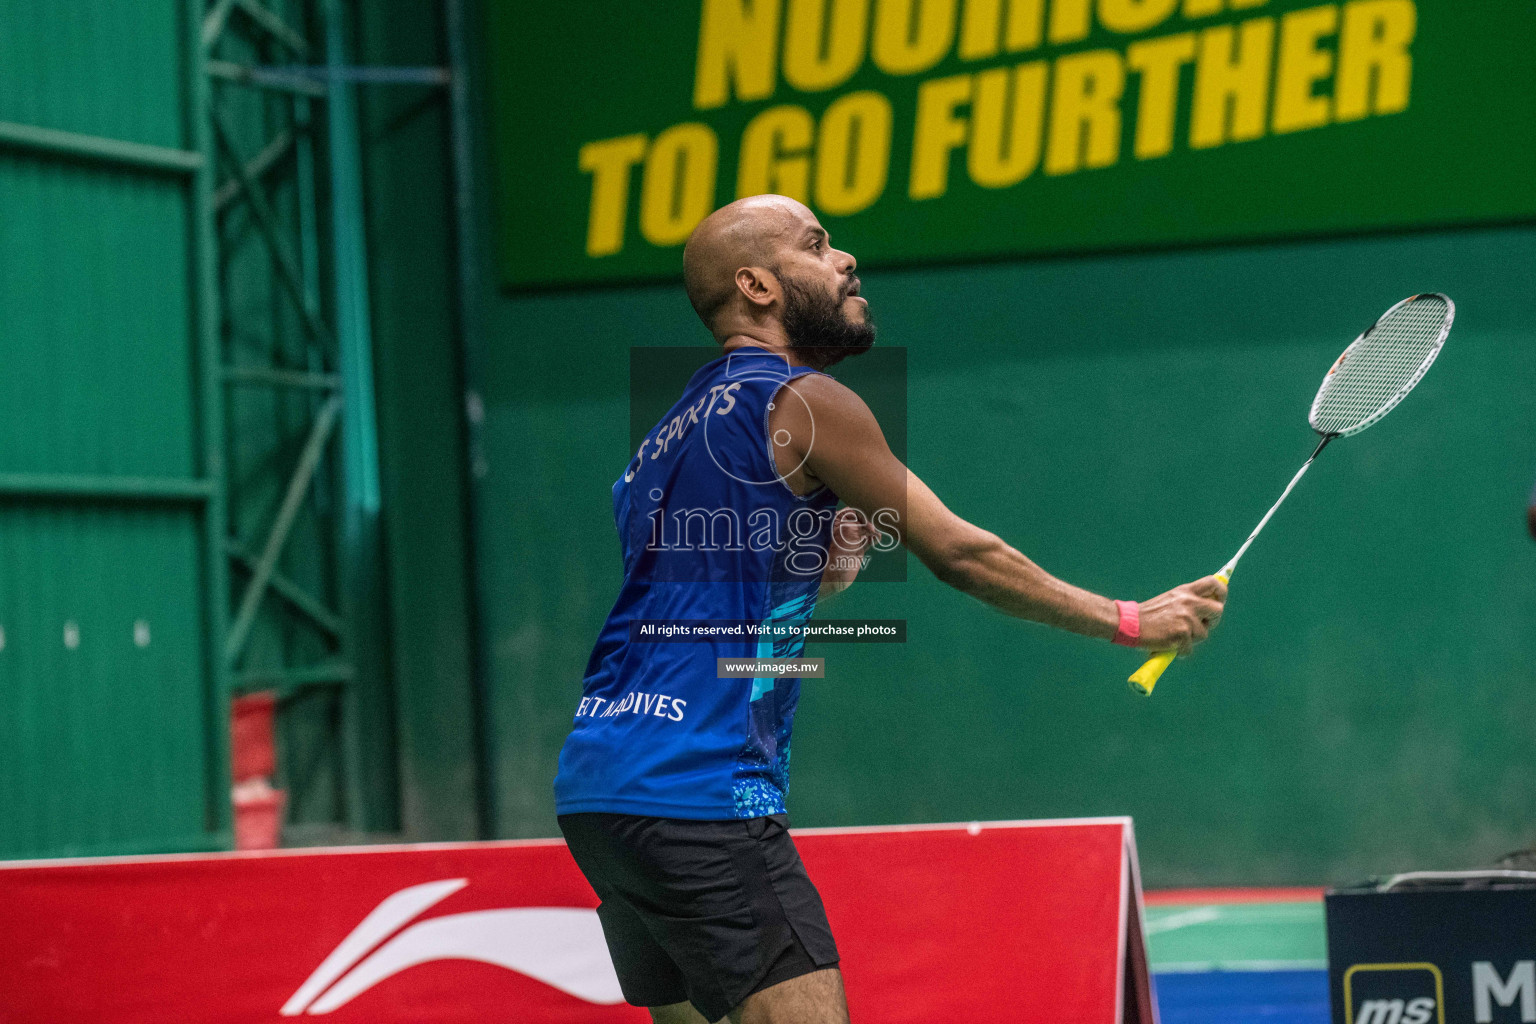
x,y
1236,937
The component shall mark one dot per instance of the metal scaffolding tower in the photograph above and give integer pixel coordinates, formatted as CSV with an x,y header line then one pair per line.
x,y
295,362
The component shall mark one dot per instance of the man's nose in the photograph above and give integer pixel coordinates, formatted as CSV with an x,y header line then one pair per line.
x,y
846,263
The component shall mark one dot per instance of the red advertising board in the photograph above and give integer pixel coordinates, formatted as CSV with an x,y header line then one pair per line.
x,y
1029,921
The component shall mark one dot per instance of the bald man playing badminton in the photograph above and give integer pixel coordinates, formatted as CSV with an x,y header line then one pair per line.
x,y
671,784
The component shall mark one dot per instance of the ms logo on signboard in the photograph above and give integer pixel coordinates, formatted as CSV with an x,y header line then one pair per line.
x,y
1394,994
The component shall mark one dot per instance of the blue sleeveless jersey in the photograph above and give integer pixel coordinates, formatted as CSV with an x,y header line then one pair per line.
x,y
708,531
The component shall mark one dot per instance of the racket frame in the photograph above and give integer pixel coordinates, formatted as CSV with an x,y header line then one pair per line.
x,y
1402,392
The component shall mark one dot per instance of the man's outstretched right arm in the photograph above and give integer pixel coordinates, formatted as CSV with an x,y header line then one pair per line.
x,y
843,447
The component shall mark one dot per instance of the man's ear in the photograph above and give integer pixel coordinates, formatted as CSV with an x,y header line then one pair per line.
x,y
760,286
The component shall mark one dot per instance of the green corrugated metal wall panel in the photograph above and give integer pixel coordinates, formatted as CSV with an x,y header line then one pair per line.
x,y
112,741
95,321
113,68
101,679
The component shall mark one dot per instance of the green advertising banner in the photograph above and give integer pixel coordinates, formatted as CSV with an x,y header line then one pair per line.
x,y
923,130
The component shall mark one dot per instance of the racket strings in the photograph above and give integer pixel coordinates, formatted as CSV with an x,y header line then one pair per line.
x,y
1382,366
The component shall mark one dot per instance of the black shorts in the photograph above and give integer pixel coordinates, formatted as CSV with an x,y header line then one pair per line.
x,y
706,912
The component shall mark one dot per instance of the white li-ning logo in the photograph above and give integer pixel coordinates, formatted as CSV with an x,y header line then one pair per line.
x,y
561,946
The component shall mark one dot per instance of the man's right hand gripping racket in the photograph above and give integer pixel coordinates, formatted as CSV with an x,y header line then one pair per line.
x,y
1375,372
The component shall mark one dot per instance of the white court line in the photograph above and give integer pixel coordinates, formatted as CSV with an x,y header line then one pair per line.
x,y
1208,966
1183,919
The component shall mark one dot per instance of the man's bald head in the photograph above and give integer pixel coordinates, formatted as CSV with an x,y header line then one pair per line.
x,y
747,233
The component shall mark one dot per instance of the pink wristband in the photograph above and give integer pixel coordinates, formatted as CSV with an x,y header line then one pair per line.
x,y
1130,623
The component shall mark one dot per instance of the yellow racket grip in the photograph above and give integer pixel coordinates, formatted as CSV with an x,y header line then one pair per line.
x,y
1146,677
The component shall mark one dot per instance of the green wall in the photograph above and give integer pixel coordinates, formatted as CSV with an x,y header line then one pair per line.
x,y
1124,420
420,402
112,736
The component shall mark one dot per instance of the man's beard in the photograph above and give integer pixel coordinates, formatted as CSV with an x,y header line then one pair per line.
x,y
820,333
